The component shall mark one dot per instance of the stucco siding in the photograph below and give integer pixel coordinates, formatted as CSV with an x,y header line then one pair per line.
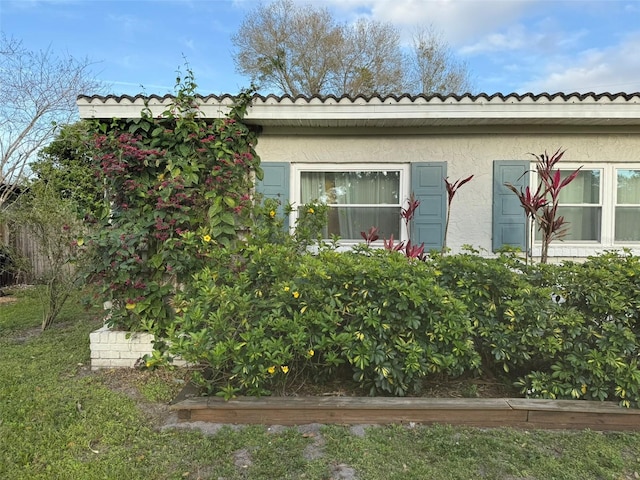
x,y
465,153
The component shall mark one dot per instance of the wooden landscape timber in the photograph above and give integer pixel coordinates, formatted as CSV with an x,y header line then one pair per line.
x,y
490,412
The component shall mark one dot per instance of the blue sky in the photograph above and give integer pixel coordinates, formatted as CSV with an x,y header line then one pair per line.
x,y
509,45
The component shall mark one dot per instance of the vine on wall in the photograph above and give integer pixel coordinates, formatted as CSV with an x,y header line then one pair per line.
x,y
178,186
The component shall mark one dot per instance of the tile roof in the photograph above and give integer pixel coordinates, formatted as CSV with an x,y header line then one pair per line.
x,y
397,98
396,110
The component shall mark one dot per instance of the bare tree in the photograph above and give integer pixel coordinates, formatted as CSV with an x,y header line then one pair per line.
x,y
370,60
289,48
431,66
303,50
38,90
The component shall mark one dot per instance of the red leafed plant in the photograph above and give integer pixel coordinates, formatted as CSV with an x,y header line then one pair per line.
x,y
410,250
392,246
452,188
541,208
370,236
408,213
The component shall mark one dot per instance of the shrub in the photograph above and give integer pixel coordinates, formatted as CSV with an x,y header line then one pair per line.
x,y
509,313
558,331
268,317
600,355
273,316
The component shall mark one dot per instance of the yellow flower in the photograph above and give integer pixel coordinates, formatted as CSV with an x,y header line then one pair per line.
x,y
311,353
130,306
584,389
271,370
207,238
296,294
161,177
272,213
286,289
311,210
284,369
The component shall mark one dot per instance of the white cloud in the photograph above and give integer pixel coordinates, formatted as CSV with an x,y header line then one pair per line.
x,y
459,20
522,45
128,24
612,69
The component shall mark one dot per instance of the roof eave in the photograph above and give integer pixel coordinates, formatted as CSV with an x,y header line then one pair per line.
x,y
391,111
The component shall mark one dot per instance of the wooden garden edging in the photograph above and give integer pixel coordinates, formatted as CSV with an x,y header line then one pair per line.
x,y
494,412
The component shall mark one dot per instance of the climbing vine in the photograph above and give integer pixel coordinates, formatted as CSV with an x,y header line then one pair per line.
x,y
177,186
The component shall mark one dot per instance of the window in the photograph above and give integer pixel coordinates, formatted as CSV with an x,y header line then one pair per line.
x,y
358,196
627,210
580,205
601,205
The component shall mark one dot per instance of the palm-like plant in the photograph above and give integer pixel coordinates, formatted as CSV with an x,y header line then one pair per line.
x,y
452,188
542,207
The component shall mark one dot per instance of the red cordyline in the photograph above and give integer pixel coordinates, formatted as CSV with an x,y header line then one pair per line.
x,y
531,203
392,246
410,250
408,213
370,236
452,188
542,207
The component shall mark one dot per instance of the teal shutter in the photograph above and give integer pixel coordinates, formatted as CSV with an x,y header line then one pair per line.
x,y
509,220
427,184
275,184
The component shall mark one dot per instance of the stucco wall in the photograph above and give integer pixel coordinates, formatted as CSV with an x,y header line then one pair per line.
x,y
468,151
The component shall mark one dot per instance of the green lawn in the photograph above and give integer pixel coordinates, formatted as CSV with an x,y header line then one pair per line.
x,y
59,421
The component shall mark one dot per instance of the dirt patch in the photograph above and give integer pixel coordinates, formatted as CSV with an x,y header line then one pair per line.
x,y
152,390
470,387
7,300
343,472
242,458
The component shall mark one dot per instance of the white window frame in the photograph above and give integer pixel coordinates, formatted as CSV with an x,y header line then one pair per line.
x,y
608,202
298,168
614,180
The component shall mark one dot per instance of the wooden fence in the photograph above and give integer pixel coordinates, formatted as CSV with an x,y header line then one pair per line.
x,y
28,256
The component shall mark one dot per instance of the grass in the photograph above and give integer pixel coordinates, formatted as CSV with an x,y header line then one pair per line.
x,y
59,421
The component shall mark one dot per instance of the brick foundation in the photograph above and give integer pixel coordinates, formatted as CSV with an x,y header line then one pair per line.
x,y
112,349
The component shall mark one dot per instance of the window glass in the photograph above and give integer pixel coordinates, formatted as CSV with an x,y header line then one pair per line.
x,y
357,201
585,188
601,204
579,205
627,220
627,224
582,223
628,187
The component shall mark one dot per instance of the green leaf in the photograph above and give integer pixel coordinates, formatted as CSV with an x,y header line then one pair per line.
x,y
228,219
184,150
156,260
215,210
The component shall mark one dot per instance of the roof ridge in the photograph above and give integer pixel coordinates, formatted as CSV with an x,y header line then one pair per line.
x,y
380,98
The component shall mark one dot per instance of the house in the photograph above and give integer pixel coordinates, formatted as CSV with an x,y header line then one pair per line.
x,y
365,156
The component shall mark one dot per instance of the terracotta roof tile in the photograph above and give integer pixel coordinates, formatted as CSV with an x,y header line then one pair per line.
x,y
384,99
